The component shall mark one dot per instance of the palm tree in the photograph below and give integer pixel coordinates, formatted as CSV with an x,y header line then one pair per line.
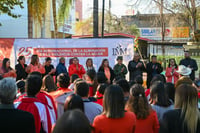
x,y
63,13
36,11
55,19
64,10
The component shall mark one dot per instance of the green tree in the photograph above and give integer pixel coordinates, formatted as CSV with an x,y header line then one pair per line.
x,y
60,16
6,7
112,23
64,10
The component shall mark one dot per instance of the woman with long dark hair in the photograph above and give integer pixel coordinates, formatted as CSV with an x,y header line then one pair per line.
x,y
114,118
92,81
107,70
73,102
171,74
6,70
21,69
35,65
185,118
159,99
48,84
146,117
89,64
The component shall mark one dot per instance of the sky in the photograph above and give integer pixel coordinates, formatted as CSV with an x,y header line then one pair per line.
x,y
118,7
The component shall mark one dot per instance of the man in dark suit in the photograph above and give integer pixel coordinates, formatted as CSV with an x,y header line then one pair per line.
x,y
13,120
135,67
153,68
191,63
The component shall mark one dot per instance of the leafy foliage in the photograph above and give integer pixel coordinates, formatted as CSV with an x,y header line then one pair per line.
x,y
37,9
6,7
112,24
64,10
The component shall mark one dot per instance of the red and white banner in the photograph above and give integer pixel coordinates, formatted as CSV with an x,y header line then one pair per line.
x,y
97,49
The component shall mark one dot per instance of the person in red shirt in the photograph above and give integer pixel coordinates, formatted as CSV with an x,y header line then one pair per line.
x,y
147,121
197,86
76,68
91,80
156,78
171,74
100,92
33,105
114,119
45,98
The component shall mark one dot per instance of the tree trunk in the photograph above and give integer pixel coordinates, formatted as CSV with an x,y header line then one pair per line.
x,y
30,20
55,19
43,26
162,20
194,18
95,20
109,12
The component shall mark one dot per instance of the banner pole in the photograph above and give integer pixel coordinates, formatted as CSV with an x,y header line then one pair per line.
x,y
141,57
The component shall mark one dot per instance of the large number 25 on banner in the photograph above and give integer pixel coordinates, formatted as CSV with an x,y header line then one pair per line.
x,y
25,51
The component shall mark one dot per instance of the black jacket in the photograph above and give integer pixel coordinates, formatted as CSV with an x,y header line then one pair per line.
x,y
135,71
16,121
188,62
150,71
20,71
48,69
112,74
173,122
